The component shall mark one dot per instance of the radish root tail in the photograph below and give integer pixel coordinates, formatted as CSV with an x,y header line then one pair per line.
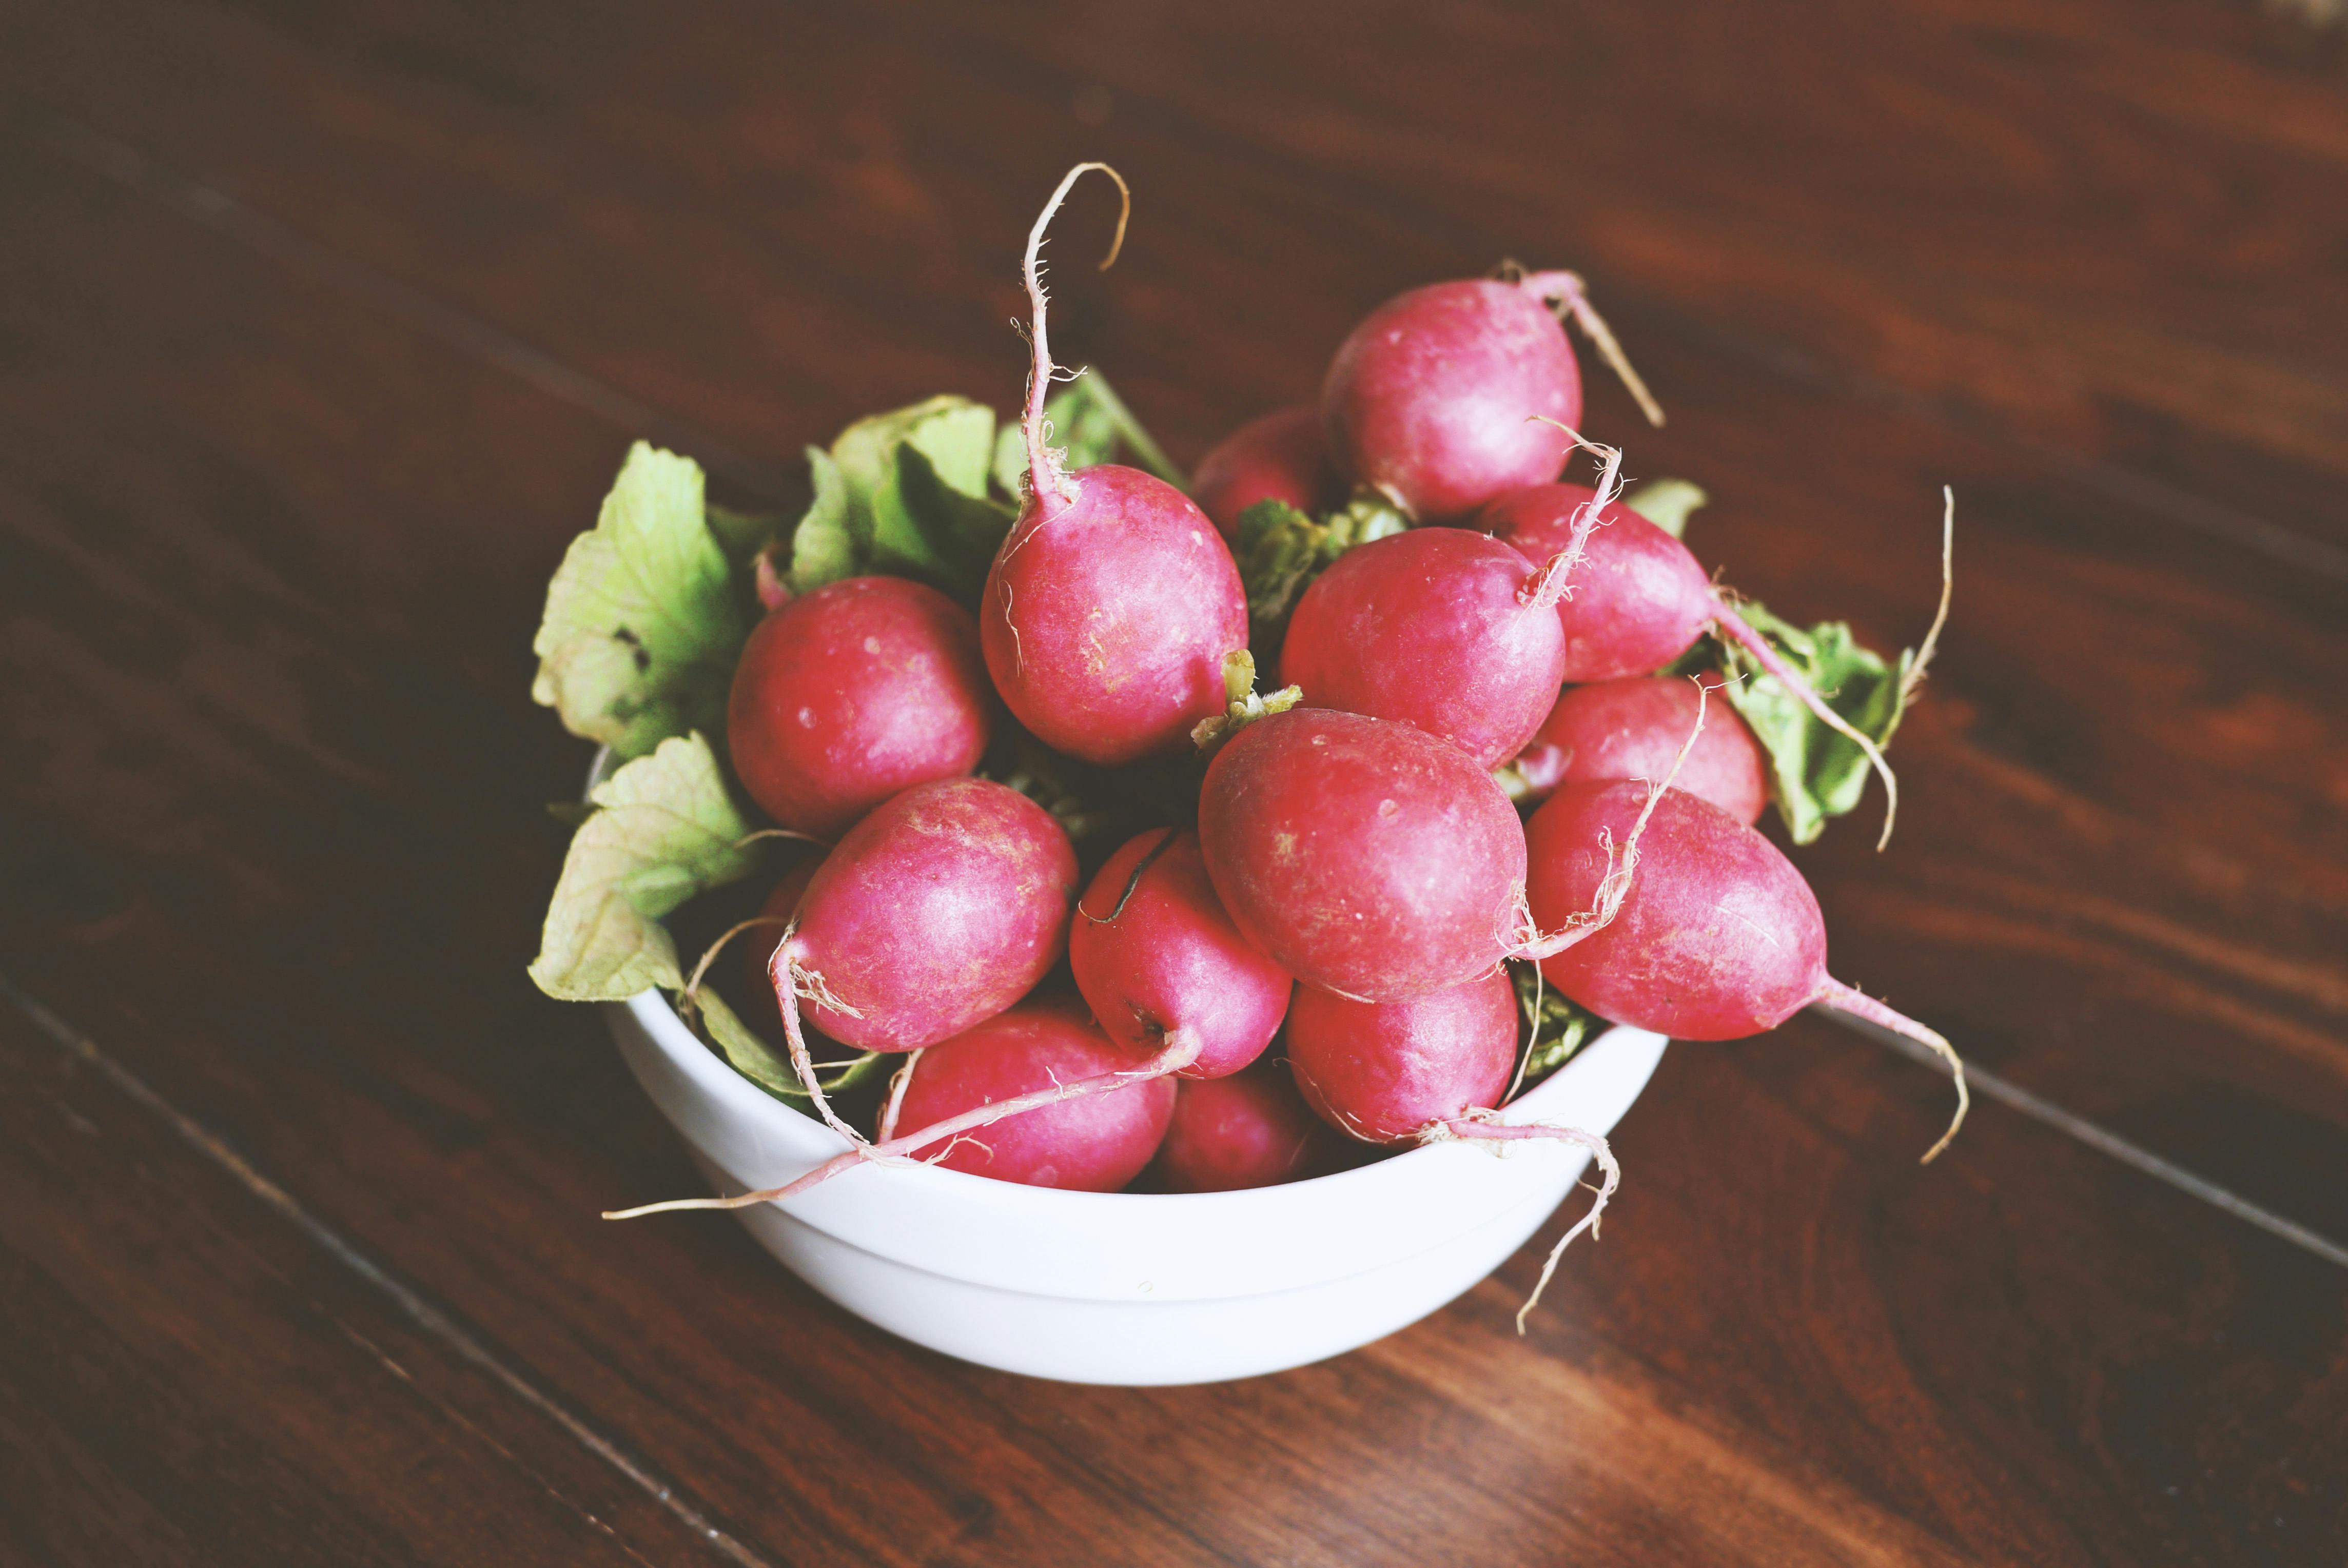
x,y
1860,1004
899,1082
1914,679
792,981
1548,584
1615,885
1046,478
1754,643
1568,296
1486,1124
1180,1050
689,999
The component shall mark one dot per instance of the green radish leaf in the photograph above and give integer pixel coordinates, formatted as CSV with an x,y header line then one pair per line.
x,y
1555,1026
903,492
1280,550
742,534
769,1068
1090,423
1667,502
664,828
645,615
1814,773
825,546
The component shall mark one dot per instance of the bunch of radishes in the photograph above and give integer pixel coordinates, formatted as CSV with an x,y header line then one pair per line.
x,y
1334,866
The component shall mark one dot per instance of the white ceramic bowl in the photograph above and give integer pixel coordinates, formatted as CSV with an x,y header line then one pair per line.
x,y
1117,1287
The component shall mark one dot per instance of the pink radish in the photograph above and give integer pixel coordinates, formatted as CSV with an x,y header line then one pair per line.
x,y
1366,857
938,910
858,690
1637,599
1093,1143
1719,937
1633,728
1427,399
1444,629
1281,457
1426,1070
1156,957
1251,1130
1112,599
1383,1072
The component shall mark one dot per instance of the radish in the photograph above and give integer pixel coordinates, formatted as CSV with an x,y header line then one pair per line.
x,y
1638,599
1094,1144
1281,457
1251,1130
1718,937
1442,628
1157,958
1112,600
1427,1070
774,916
1382,1072
856,691
938,910
1427,399
1367,857
1631,728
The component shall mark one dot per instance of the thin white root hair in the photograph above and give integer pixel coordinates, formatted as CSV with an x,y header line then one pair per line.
x,y
1931,645
1044,475
1532,1036
1860,1004
1548,584
1566,293
899,1081
746,839
689,999
1615,885
1756,645
1180,1050
792,981
1486,1124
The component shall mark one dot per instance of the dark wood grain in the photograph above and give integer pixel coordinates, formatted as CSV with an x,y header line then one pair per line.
x,y
274,539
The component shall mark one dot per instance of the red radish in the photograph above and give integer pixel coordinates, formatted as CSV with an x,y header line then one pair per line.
x,y
938,910
1634,728
1367,858
1383,1072
1156,957
1426,1070
851,693
1281,457
1444,629
1638,599
1093,1143
1112,600
1719,937
1251,1130
1427,400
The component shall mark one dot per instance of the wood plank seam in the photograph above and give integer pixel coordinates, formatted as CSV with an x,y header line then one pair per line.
x,y
433,1320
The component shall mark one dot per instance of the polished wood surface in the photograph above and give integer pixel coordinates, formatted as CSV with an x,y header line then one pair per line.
x,y
322,329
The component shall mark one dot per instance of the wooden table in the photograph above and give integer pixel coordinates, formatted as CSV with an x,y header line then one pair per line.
x,y
322,330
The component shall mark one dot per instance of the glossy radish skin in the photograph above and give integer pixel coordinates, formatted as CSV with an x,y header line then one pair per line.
x,y
1095,1144
1720,938
1430,400
847,694
1281,457
1382,1073
1107,616
940,909
1440,628
1634,728
1364,856
1251,1130
1171,959
1637,600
